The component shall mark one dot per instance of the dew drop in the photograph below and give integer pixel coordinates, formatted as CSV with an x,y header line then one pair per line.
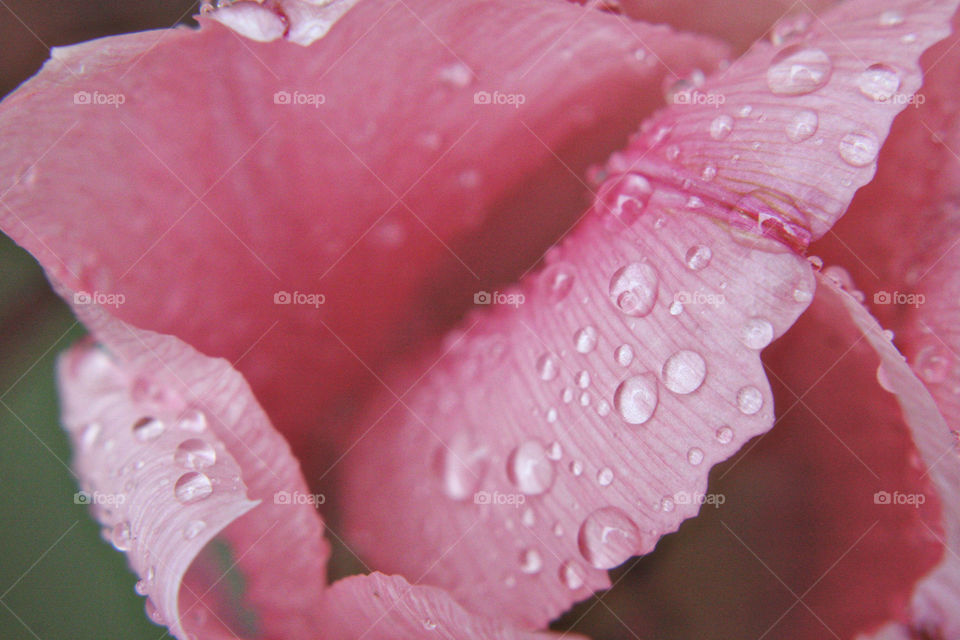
x,y
667,504
684,372
558,529
571,576
456,74
90,433
528,518
624,355
608,537
676,308
141,588
605,477
721,127
146,429
551,415
576,468
636,398
883,379
194,421
798,69
756,333
933,364
120,536
555,451
557,281
585,339
802,125
724,435
529,468
622,200
461,465
698,257
633,289
547,367
879,82
890,18
567,395
709,172
789,28
195,454
749,400
859,148
429,624
192,486
603,409
193,529
583,379
530,561
695,456
585,399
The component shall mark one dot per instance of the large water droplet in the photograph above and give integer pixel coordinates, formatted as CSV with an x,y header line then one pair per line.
x,y
571,575
461,465
624,355
721,127
142,587
695,456
633,288
529,468
557,281
585,339
756,333
883,379
622,199
636,398
608,537
547,367
933,364
148,429
802,125
120,536
684,372
798,69
192,487
698,257
195,454
859,148
530,561
879,82
194,421
749,400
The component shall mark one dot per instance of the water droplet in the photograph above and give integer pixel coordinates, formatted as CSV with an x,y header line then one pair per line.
x,y
891,18
859,148
603,409
684,372
933,364
557,529
709,172
721,127
749,400
195,454
698,257
636,398
567,395
529,468
695,456
89,435
800,295
798,69
141,588
547,367
192,487
555,451
585,339
608,537
789,28
879,82
585,399
461,465
744,111
576,468
622,199
676,308
816,262
429,624
802,125
530,561
605,477
193,529
633,289
883,379
756,333
724,435
120,536
456,74
583,379
667,504
571,576
557,281
551,415
528,518
193,420
624,355
908,38
148,429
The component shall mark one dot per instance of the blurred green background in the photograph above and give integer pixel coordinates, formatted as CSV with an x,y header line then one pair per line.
x,y
58,578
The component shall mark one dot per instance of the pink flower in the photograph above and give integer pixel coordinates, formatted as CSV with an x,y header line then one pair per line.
x,y
359,228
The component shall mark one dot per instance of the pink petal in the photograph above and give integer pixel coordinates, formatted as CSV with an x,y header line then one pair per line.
x,y
489,415
304,197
